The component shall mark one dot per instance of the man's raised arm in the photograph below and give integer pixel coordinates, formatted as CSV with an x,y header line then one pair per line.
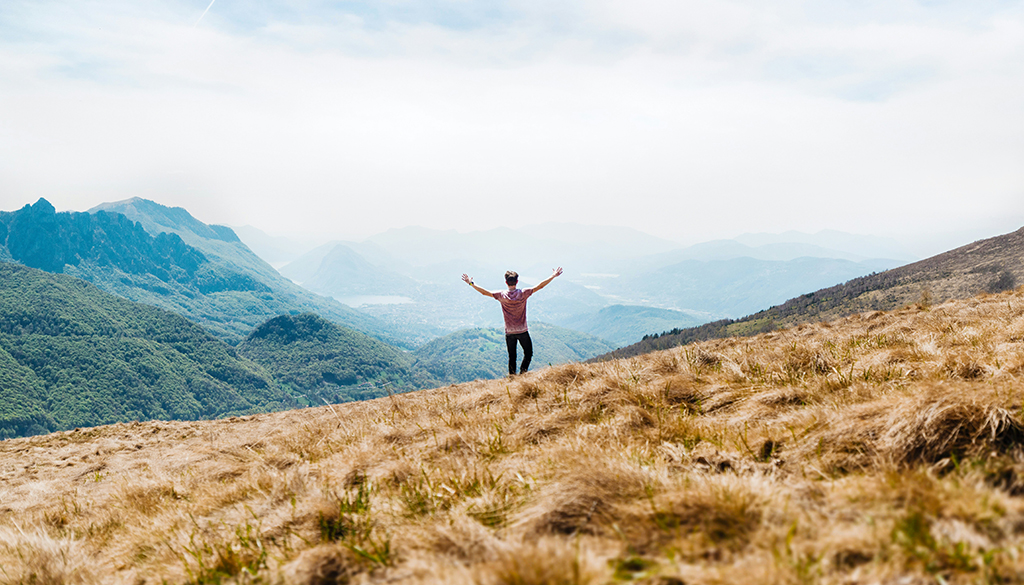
x,y
547,281
469,281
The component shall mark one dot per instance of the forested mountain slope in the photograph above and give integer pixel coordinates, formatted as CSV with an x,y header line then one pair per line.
x,y
239,311
327,362
72,355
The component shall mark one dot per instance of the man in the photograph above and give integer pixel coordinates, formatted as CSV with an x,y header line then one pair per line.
x,y
513,307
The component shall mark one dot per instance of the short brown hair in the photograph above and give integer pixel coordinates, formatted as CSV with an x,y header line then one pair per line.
x,y
511,277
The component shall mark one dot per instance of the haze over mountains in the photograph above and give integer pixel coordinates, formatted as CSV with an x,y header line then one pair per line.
x,y
411,275
403,285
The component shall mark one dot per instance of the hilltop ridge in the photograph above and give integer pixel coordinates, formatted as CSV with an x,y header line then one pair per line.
x,y
991,265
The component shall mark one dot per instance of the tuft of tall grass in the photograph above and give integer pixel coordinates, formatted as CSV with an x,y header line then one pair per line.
x,y
547,561
41,559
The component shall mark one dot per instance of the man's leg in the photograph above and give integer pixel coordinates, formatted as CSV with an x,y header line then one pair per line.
x,y
524,338
510,342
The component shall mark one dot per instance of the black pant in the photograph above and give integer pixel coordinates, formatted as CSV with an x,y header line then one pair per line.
x,y
524,340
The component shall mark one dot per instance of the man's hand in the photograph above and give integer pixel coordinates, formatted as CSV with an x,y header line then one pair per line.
x,y
547,281
469,280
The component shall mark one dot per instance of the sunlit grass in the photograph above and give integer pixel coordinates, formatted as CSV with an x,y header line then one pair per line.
x,y
884,447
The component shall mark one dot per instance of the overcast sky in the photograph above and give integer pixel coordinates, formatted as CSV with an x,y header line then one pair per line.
x,y
687,119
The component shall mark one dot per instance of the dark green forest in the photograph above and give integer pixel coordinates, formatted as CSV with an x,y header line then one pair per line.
x,y
323,361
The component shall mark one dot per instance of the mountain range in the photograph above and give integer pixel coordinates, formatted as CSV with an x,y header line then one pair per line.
x,y
202,327
108,317
233,312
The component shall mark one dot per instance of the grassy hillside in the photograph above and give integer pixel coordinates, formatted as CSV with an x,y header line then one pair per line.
x,y
879,448
481,353
325,361
991,265
72,355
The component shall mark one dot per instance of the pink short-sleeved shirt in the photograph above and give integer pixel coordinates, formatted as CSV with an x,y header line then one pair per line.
x,y
513,307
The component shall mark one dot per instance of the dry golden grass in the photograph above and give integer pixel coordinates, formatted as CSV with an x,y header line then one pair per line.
x,y
880,448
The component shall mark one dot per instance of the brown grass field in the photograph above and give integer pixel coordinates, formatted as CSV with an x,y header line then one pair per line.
x,y
880,448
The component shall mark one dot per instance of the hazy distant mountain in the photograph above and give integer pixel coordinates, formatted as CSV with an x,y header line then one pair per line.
x,y
236,312
72,355
481,353
303,268
858,247
622,324
607,241
605,266
275,250
780,251
780,247
738,286
991,265
343,272
585,248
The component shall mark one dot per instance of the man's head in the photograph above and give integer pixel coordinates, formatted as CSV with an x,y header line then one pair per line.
x,y
511,278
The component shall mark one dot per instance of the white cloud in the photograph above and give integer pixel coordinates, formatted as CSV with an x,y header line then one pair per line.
x,y
710,117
